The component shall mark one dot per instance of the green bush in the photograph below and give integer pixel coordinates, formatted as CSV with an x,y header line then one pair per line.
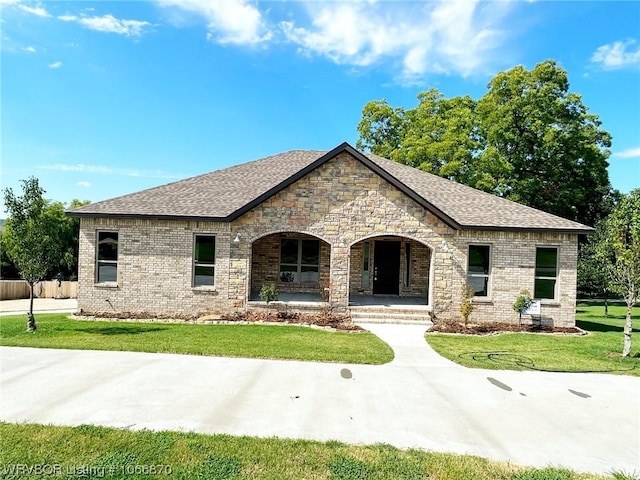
x,y
269,293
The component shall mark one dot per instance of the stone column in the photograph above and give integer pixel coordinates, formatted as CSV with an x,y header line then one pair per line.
x,y
339,297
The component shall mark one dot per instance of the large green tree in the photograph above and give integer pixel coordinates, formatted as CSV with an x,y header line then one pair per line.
x,y
528,139
33,237
618,250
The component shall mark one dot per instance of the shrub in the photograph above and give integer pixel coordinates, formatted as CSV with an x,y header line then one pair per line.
x,y
522,303
269,293
466,307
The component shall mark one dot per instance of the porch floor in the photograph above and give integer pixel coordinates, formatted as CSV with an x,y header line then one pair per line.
x,y
380,301
292,297
387,301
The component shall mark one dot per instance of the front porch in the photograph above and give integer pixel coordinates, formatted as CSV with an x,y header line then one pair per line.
x,y
384,277
362,308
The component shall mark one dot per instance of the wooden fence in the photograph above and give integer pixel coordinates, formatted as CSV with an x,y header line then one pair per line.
x,y
15,289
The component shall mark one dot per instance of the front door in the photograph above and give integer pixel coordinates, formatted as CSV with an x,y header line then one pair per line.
x,y
386,268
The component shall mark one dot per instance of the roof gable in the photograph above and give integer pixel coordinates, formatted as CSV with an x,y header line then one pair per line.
x,y
227,194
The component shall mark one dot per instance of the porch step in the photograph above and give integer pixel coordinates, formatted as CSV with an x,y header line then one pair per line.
x,y
388,315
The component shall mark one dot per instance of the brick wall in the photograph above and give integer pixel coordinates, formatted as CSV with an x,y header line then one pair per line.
x,y
155,262
513,257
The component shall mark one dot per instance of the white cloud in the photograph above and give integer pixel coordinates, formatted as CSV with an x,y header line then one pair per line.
x,y
228,21
102,170
629,153
617,55
39,11
55,65
29,49
443,37
109,23
83,184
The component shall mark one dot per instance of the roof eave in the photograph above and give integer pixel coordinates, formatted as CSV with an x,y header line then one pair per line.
x,y
140,216
492,228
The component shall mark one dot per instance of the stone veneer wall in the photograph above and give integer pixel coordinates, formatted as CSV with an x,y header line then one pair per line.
x,y
155,265
341,203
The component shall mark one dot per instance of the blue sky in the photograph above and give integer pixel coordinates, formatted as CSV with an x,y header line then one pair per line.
x,y
100,99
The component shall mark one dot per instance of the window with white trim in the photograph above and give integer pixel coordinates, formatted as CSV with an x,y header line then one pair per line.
x,y
546,273
204,260
107,257
478,269
299,261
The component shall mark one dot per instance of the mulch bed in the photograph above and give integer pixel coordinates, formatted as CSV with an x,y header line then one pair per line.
x,y
326,320
491,328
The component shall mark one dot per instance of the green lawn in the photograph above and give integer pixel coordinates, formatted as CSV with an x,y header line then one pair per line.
x,y
253,341
599,351
107,453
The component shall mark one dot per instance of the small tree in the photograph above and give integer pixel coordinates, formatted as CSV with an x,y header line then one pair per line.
x,y
31,237
522,303
466,306
268,293
619,252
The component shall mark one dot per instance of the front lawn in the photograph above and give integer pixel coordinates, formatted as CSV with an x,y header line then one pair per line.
x,y
599,351
88,451
252,341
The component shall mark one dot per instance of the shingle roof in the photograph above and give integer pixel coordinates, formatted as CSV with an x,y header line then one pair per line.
x,y
226,194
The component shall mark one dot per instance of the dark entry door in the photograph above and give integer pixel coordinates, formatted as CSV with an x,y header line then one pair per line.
x,y
386,268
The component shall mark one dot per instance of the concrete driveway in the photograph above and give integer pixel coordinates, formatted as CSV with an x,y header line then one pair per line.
x,y
587,422
41,305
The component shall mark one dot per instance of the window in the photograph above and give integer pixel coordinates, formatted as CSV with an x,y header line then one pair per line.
x,y
204,260
407,264
478,269
365,265
107,257
299,260
546,275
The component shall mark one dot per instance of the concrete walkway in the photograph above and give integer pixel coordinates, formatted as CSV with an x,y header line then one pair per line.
x,y
43,305
587,422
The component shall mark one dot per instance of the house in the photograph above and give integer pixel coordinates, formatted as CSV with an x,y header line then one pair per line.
x,y
349,224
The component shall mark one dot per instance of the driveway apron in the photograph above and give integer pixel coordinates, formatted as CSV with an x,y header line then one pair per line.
x,y
588,422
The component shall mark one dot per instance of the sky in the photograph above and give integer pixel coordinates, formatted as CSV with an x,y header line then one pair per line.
x,y
101,99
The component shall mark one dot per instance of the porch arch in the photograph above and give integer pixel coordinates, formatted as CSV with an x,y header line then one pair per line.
x,y
395,265
297,262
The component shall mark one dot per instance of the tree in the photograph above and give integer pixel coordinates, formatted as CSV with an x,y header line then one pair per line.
x,y
593,280
556,150
527,139
32,237
69,236
8,270
618,250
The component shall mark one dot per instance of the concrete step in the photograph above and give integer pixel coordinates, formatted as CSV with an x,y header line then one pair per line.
x,y
415,317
